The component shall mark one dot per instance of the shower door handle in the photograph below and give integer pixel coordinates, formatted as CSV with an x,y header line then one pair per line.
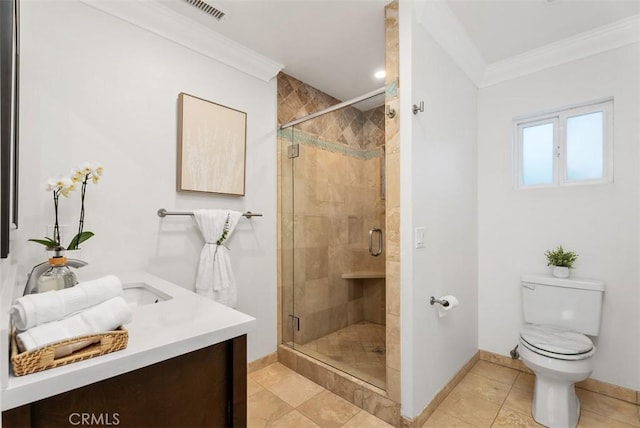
x,y
380,248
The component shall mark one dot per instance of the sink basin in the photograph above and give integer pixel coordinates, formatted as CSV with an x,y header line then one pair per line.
x,y
140,294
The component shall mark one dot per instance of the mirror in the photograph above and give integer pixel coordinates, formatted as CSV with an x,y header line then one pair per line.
x,y
9,74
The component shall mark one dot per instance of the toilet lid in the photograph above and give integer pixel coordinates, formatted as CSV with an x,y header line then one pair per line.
x,y
554,340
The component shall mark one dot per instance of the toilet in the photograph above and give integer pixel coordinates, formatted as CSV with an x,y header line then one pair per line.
x,y
558,314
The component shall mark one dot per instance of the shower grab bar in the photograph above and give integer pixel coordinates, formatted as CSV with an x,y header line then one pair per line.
x,y
380,248
163,213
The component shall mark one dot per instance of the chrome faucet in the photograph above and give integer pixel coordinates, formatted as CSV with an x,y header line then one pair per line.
x,y
32,279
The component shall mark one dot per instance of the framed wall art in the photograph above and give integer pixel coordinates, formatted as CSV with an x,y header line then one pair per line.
x,y
211,147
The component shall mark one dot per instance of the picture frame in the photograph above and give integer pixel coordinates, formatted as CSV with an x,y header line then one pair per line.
x,y
211,147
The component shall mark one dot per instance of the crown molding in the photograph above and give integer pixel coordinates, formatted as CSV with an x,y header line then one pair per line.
x,y
161,20
440,22
598,40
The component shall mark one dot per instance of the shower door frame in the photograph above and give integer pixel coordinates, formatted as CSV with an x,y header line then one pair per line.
x,y
289,315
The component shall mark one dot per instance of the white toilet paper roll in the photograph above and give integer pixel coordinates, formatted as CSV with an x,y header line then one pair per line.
x,y
444,310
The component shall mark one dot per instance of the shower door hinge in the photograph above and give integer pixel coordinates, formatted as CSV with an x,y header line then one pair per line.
x,y
295,321
293,151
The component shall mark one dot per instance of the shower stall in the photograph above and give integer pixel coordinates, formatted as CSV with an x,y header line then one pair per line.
x,y
332,238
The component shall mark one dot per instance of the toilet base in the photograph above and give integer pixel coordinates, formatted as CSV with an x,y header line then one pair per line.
x,y
555,403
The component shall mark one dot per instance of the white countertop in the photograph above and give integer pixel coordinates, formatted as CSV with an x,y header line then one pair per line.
x,y
184,323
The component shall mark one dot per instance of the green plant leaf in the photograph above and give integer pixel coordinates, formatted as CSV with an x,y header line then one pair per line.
x,y
47,242
79,239
560,257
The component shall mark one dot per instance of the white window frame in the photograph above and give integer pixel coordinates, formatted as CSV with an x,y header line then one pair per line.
x,y
559,119
519,166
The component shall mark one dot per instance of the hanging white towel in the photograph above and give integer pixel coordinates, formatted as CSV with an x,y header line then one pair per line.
x,y
215,277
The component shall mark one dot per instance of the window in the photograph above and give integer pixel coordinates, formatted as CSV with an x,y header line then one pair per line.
x,y
567,147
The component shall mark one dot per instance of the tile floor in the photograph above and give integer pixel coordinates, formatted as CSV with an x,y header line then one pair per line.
x,y
358,349
488,396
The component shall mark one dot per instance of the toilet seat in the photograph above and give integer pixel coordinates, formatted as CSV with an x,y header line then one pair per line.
x,y
556,342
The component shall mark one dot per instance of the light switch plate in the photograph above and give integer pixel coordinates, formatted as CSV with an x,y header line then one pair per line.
x,y
419,239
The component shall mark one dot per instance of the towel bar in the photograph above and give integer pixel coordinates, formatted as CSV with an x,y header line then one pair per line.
x,y
163,213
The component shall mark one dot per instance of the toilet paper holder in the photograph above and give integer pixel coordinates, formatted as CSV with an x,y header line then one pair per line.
x,y
442,302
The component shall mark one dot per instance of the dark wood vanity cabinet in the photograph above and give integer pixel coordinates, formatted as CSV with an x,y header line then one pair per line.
x,y
204,388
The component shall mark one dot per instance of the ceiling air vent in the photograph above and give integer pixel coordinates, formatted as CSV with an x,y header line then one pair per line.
x,y
208,8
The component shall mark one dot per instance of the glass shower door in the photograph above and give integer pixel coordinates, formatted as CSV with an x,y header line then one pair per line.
x,y
334,289
289,323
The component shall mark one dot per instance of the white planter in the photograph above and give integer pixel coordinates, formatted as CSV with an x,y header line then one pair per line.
x,y
560,271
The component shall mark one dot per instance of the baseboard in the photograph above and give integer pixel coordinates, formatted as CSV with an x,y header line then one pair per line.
x,y
263,362
614,391
593,385
505,361
422,417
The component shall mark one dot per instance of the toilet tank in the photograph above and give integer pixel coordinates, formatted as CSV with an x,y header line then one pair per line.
x,y
572,303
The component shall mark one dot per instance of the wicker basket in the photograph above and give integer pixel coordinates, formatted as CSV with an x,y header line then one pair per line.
x,y
44,358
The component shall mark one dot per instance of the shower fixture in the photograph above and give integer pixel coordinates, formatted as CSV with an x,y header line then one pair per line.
x,y
390,112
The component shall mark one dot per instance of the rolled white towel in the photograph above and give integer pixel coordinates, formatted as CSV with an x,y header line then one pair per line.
x,y
35,309
105,316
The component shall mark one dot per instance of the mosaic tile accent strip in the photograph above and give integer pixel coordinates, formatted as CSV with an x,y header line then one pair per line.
x,y
391,89
302,137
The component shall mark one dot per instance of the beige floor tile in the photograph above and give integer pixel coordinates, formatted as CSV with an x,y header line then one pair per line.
x,y
328,410
366,420
480,386
508,418
440,419
470,407
525,381
519,400
608,407
264,408
271,374
495,372
482,399
293,419
253,387
358,349
593,420
295,389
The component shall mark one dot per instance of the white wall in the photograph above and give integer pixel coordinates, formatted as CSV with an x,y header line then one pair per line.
x,y
97,88
439,160
599,222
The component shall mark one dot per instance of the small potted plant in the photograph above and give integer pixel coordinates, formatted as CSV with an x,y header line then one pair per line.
x,y
560,261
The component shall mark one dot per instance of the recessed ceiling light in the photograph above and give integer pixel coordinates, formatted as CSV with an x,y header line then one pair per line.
x,y
380,74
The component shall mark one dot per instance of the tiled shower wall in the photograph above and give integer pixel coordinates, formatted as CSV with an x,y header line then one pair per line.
x,y
332,203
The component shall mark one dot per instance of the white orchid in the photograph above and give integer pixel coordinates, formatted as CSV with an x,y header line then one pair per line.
x,y
63,186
